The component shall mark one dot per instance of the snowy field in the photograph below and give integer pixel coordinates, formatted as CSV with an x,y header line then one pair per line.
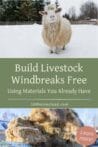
x,y
25,41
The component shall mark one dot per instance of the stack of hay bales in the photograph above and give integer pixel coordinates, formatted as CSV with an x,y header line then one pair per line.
x,y
48,126
22,130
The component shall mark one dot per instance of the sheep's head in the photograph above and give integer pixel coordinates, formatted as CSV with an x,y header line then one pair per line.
x,y
51,13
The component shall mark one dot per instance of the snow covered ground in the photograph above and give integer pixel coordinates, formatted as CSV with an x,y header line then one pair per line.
x,y
26,41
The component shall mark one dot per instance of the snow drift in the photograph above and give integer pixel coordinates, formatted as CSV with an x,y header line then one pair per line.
x,y
25,41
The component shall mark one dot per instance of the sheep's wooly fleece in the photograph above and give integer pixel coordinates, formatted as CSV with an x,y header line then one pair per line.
x,y
41,124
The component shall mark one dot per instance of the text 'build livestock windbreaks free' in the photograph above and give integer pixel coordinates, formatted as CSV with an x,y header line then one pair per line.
x,y
28,74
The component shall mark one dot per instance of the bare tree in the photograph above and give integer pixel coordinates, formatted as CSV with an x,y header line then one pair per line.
x,y
72,13
89,10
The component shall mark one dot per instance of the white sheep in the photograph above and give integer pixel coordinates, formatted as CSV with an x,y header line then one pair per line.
x,y
56,29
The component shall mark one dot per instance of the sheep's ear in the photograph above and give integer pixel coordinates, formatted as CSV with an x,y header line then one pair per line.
x,y
58,10
43,12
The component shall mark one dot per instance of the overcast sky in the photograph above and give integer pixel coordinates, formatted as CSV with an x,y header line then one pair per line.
x,y
66,4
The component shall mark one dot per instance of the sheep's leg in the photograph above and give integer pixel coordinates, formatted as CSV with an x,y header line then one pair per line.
x,y
58,49
51,50
63,48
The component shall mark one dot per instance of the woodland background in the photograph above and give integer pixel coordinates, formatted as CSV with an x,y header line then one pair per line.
x,y
27,11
